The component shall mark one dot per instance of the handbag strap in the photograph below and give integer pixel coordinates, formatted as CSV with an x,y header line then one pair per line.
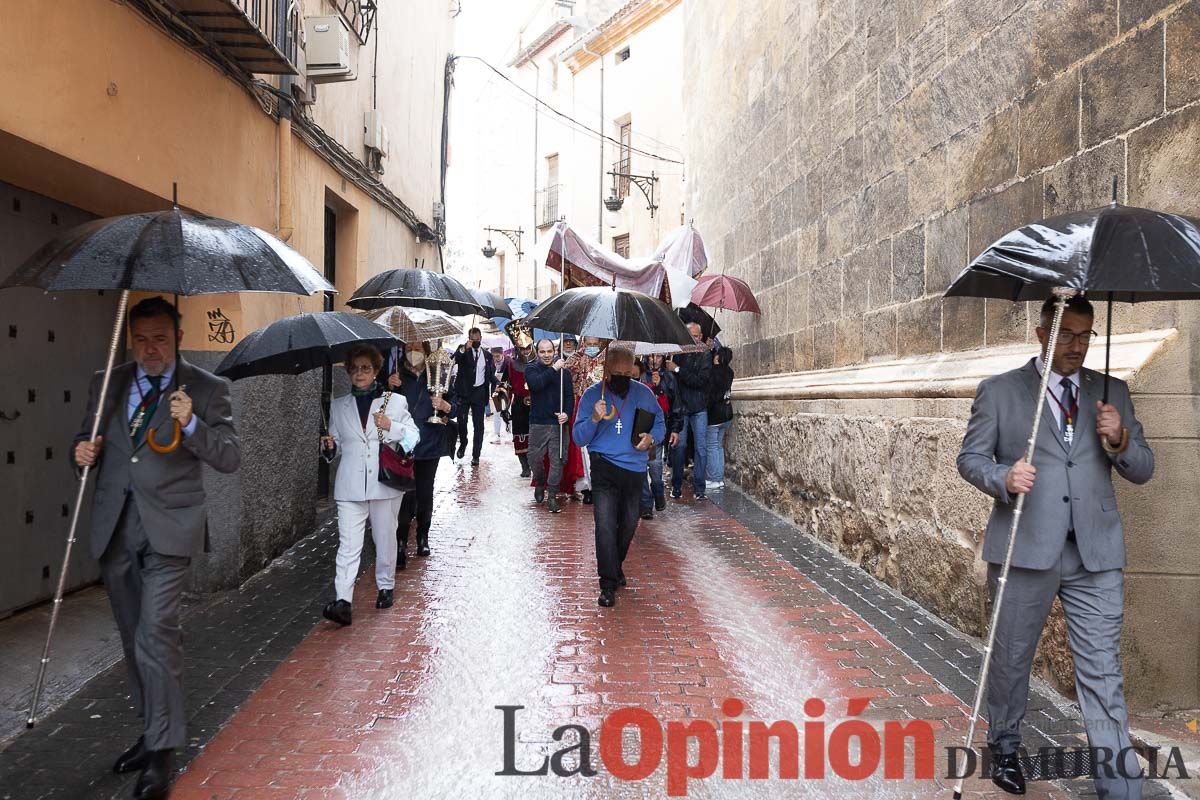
x,y
383,410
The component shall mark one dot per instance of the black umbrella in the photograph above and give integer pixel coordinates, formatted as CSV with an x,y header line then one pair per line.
x,y
610,313
419,288
173,251
694,313
493,304
297,344
1116,252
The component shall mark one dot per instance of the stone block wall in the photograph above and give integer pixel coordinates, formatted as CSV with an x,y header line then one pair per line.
x,y
848,159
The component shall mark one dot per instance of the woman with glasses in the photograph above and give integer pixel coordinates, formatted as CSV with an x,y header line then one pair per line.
x,y
358,423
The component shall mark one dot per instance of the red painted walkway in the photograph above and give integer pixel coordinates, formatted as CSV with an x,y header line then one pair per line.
x,y
402,703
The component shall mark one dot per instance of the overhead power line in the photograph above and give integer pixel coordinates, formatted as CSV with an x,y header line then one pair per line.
x,y
568,117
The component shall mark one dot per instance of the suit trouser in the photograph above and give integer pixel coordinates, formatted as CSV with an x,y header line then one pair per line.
x,y
418,503
1093,606
544,441
474,404
144,588
616,493
352,523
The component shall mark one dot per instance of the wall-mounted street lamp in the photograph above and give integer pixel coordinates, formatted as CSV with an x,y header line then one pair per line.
x,y
513,236
644,182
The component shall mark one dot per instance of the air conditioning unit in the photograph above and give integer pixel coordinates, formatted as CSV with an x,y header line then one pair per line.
x,y
375,139
327,49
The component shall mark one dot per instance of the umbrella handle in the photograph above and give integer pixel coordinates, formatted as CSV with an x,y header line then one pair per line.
x,y
170,447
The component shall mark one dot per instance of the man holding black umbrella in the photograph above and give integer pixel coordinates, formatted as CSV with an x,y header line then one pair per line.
x,y
1070,542
145,536
607,423
473,387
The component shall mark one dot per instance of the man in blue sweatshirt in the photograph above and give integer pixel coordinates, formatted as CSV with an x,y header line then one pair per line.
x,y
605,428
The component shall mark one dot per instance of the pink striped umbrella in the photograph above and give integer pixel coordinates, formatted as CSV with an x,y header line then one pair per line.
x,y
726,292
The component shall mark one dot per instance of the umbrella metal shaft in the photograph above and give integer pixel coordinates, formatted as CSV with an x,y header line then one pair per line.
x,y
122,304
1061,296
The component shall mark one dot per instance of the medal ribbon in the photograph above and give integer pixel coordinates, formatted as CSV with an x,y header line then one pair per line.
x,y
1069,416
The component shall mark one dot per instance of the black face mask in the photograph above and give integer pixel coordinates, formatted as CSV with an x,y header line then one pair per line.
x,y
475,344
619,384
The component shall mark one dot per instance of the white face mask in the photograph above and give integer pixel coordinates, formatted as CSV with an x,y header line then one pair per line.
x,y
415,358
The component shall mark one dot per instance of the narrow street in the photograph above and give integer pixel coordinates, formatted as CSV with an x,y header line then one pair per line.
x,y
724,601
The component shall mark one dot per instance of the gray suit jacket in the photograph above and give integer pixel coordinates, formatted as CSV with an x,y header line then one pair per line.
x,y
1072,484
169,489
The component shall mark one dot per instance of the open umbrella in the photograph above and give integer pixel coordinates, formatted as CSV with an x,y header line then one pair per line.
x,y
297,344
645,349
694,313
1116,252
493,304
725,292
414,324
415,288
174,252
611,313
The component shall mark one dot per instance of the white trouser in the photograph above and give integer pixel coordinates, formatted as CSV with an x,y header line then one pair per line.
x,y
352,523
585,483
497,425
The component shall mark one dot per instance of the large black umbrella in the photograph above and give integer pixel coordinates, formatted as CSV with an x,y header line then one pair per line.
x,y
297,344
418,288
1117,253
493,304
175,252
610,313
694,313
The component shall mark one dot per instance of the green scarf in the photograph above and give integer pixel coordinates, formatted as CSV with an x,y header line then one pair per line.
x,y
364,392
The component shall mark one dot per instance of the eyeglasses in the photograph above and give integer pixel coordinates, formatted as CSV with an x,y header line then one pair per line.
x,y
1070,337
355,368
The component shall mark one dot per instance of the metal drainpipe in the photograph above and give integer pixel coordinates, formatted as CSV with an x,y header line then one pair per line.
x,y
600,196
286,221
536,88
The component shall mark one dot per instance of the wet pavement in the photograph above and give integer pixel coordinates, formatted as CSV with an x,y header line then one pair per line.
x,y
724,601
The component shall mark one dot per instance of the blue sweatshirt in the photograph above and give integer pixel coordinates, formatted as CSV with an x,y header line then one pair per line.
x,y
602,437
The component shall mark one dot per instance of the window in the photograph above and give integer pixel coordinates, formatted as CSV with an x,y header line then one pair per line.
x,y
622,54
621,245
625,137
550,193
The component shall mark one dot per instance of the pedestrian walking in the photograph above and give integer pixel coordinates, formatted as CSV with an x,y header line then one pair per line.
x,y
720,416
512,379
693,373
149,519
412,383
475,382
1070,541
552,399
618,446
662,382
359,423
495,411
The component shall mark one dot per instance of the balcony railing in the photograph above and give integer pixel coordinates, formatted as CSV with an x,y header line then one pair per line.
x,y
263,36
549,206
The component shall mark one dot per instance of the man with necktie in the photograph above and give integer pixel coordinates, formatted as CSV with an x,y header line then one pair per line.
x,y
1070,543
148,517
473,387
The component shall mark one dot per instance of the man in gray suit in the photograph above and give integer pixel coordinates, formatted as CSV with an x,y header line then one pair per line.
x,y
148,517
1070,542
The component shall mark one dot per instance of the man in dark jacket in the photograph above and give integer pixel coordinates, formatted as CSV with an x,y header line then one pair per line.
x,y
553,399
473,387
693,371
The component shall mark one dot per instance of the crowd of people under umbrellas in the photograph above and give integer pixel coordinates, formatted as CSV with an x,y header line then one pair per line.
x,y
568,447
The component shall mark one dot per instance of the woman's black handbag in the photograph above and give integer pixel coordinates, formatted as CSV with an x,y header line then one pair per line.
x,y
395,469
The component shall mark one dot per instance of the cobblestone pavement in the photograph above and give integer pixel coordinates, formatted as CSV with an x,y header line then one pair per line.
x,y
724,601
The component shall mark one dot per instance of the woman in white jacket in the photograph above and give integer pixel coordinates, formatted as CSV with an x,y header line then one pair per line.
x,y
355,422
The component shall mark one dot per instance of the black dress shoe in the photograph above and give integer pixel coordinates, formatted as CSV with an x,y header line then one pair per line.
x,y
539,494
660,503
385,599
462,451
553,505
608,598
1006,773
422,547
526,472
133,759
474,462
587,497
155,781
338,611
647,512
401,560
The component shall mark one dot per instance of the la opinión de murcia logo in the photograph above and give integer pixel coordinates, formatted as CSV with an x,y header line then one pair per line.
x,y
725,744
851,749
